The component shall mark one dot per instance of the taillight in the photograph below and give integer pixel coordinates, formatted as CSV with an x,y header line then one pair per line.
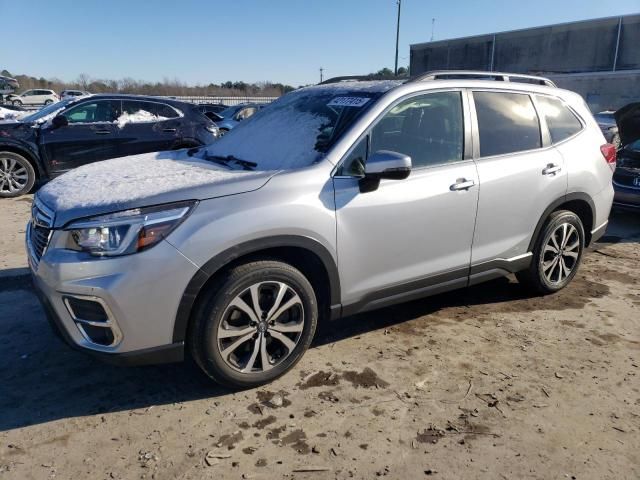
x,y
609,153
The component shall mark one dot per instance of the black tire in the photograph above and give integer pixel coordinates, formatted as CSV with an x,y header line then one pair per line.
x,y
48,102
215,312
16,103
540,274
223,131
22,166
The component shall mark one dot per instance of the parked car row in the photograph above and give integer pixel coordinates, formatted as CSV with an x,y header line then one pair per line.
x,y
81,130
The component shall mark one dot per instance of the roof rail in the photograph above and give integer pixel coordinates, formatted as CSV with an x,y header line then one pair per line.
x,y
359,78
482,75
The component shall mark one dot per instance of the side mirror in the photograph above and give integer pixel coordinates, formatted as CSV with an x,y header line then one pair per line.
x,y
59,121
384,164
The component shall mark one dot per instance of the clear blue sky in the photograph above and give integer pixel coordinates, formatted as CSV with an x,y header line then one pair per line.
x,y
203,41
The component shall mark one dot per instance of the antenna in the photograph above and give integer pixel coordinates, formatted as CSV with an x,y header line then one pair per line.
x,y
321,71
433,27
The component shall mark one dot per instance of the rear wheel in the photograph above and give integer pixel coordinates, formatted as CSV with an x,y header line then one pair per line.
x,y
557,253
17,175
48,102
257,323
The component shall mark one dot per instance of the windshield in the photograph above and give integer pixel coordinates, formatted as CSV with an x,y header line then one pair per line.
x,y
48,110
299,128
229,112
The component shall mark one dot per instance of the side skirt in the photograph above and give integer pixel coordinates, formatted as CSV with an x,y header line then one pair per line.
x,y
434,285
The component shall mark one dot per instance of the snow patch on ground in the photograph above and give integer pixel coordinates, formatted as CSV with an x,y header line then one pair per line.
x,y
141,116
126,179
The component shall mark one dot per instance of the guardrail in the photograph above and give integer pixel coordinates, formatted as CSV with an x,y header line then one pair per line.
x,y
229,101
224,100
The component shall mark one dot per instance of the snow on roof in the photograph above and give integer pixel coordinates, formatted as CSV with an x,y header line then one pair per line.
x,y
126,179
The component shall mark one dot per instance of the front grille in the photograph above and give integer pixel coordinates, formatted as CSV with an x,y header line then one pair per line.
x,y
39,240
39,230
627,177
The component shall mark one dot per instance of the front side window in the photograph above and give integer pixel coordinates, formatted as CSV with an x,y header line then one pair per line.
x,y
561,121
429,128
94,112
507,123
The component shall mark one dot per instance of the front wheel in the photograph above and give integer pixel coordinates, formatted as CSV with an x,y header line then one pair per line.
x,y
257,323
556,255
17,175
16,103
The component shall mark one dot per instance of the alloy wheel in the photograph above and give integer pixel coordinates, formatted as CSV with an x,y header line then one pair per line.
x,y
13,175
561,253
261,327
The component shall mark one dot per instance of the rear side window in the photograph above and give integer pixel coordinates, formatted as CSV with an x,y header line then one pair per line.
x,y
561,121
148,109
507,123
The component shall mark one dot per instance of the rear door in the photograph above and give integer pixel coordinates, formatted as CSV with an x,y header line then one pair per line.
x,y
520,173
90,136
148,127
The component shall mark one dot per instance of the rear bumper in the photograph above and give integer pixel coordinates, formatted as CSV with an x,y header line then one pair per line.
x,y
628,197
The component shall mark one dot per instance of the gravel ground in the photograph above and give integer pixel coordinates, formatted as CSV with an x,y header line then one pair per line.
x,y
488,382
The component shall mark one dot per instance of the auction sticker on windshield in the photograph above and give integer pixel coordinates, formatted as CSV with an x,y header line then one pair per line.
x,y
348,102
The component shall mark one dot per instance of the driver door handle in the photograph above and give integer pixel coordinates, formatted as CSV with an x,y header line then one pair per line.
x,y
102,132
462,184
551,169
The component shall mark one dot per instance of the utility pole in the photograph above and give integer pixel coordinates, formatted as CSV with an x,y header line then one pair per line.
x,y
321,70
397,36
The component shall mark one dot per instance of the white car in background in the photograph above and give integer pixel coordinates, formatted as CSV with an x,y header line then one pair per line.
x,y
73,94
34,97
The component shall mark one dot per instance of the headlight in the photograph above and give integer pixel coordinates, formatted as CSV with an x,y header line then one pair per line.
x,y
212,129
127,232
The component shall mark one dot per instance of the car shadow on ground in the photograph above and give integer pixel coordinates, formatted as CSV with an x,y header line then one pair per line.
x,y
43,380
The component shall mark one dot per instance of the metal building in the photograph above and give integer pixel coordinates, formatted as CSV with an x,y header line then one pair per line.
x,y
600,58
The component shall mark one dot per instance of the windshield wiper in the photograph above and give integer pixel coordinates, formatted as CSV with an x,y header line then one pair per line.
x,y
229,159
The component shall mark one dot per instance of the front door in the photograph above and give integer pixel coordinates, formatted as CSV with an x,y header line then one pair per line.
x,y
408,237
91,136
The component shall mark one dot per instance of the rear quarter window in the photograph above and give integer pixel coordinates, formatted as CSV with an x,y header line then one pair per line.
x,y
561,121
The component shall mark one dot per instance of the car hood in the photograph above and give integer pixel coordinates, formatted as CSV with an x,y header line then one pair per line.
x,y
628,120
140,181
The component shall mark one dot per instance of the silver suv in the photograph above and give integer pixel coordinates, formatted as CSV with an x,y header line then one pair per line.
x,y
335,199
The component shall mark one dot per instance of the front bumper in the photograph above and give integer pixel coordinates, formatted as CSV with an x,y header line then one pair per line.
x,y
140,293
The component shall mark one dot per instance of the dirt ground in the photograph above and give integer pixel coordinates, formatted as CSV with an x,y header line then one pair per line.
x,y
484,383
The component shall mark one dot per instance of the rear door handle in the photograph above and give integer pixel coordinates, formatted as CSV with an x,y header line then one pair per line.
x,y
551,169
170,130
462,184
102,132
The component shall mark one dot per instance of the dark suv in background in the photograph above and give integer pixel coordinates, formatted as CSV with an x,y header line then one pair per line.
x,y
74,132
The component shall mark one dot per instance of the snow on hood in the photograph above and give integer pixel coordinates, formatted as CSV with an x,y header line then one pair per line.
x,y
141,180
7,114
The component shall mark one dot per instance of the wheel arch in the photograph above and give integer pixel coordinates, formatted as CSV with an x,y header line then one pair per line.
x,y
579,203
31,158
306,254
